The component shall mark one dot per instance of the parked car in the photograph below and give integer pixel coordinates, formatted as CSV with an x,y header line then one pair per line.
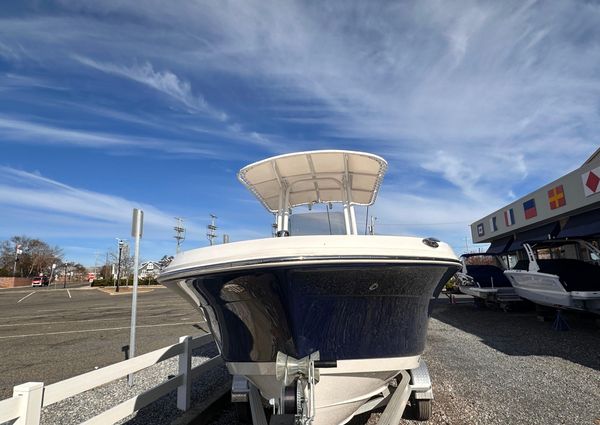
x,y
40,281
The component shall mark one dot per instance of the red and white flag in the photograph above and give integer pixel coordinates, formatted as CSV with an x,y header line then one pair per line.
x,y
591,181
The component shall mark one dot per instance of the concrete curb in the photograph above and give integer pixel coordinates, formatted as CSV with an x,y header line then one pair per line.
x,y
125,292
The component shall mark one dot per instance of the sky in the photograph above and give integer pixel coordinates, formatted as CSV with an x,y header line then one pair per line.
x,y
111,105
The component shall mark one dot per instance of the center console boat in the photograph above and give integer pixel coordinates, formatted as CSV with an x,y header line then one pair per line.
x,y
482,277
320,324
561,273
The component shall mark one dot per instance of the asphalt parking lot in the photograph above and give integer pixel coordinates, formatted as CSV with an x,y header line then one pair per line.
x,y
49,334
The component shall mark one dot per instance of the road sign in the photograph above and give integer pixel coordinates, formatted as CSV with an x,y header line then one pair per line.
x,y
137,223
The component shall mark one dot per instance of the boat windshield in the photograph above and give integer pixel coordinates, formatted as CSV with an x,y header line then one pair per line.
x,y
317,223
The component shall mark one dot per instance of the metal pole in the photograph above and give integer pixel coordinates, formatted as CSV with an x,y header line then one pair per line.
x,y
52,275
16,259
119,265
65,280
138,216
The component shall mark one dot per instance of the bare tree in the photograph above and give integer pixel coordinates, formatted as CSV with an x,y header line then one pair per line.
x,y
36,256
126,261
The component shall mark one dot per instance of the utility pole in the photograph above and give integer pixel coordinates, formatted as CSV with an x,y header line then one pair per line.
x,y
179,233
211,229
121,242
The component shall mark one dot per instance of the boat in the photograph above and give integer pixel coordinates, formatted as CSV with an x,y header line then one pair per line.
x,y
482,277
320,322
567,278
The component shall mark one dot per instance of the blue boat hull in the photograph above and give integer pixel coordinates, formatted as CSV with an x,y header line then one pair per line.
x,y
345,312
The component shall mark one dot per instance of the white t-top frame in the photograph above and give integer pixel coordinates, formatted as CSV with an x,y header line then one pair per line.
x,y
305,178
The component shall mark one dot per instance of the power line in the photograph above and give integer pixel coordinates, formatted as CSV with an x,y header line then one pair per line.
x,y
211,229
179,232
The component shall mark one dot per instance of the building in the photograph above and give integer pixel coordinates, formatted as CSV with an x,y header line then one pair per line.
x,y
568,207
149,269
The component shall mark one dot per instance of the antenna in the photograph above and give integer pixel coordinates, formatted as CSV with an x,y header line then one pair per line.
x,y
179,233
372,227
211,229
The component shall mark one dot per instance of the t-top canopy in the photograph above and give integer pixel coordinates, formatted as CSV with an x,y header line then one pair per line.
x,y
315,177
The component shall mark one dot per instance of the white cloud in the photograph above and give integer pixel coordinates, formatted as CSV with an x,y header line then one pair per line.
x,y
446,216
180,90
38,206
32,191
165,82
67,211
10,53
483,95
32,132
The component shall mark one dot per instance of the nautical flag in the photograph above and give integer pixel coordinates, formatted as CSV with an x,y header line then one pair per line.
x,y
529,208
556,197
493,224
480,230
591,181
509,217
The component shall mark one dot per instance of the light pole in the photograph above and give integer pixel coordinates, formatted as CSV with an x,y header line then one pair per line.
x,y
136,232
121,242
17,252
52,275
65,280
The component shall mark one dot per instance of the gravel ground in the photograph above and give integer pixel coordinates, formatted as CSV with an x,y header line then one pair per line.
x,y
86,405
490,367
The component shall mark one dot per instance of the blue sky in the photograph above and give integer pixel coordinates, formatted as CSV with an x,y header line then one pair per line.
x,y
106,106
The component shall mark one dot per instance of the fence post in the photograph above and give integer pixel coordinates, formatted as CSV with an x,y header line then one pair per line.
x,y
31,394
185,369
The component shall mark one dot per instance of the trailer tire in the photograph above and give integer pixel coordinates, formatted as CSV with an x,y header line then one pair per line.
x,y
422,409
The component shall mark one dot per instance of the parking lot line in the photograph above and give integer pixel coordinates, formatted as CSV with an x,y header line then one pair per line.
x,y
116,319
94,330
69,292
28,295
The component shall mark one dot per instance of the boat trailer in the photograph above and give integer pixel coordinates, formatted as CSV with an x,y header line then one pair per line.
x,y
413,385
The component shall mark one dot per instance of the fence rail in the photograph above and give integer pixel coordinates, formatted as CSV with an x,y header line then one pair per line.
x,y
29,398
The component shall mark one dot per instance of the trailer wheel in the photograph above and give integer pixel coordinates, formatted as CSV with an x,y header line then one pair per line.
x,y
422,409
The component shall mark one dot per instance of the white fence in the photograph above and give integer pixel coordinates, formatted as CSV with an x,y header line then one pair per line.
x,y
28,399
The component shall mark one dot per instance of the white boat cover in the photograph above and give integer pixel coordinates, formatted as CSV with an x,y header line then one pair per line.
x,y
315,177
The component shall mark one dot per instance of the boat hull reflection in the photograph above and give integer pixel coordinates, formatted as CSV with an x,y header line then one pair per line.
x,y
352,312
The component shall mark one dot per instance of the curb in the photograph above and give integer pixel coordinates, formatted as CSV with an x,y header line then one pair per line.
x,y
128,292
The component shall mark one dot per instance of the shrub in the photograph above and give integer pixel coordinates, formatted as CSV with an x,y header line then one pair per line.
x,y
103,282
